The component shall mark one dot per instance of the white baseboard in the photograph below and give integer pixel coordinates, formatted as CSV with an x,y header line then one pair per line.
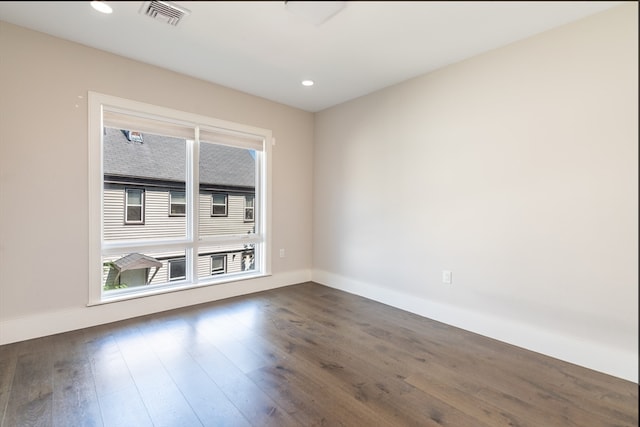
x,y
592,355
49,323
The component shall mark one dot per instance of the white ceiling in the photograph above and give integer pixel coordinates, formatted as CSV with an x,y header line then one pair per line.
x,y
262,48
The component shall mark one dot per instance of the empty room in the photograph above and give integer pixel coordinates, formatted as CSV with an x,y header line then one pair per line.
x,y
329,213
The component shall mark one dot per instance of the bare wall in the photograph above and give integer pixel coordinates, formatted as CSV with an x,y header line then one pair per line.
x,y
517,170
43,178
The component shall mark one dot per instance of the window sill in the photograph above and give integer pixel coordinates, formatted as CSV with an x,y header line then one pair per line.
x,y
128,294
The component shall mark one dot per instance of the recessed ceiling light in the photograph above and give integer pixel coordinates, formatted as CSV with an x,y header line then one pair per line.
x,y
308,83
101,6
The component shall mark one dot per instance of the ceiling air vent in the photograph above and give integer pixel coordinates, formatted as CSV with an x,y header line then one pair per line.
x,y
164,11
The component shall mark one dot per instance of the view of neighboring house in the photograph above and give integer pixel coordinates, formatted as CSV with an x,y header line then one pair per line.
x,y
145,198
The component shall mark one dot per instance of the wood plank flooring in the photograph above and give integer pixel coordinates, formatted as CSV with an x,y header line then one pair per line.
x,y
304,355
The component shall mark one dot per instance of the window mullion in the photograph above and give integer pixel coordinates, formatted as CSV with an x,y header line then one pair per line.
x,y
193,179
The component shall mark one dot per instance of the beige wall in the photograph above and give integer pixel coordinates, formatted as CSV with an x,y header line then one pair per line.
x,y
43,178
518,171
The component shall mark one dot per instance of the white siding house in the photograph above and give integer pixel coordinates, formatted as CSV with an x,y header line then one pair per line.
x,y
144,199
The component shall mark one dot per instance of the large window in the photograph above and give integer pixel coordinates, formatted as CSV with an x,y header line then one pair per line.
x,y
146,159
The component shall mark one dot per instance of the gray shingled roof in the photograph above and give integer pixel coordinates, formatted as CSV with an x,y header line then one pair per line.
x,y
163,158
134,261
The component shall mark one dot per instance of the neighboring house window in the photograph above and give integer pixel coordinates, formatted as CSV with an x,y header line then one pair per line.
x,y
148,151
218,264
249,204
177,203
134,206
219,204
177,269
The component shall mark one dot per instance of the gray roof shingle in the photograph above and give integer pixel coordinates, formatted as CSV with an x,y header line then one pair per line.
x,y
163,158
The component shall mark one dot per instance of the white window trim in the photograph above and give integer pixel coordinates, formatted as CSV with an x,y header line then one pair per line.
x,y
224,264
171,202
169,261
252,208
226,204
127,204
100,102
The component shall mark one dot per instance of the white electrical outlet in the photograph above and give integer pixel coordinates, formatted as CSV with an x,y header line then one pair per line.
x,y
446,276
281,253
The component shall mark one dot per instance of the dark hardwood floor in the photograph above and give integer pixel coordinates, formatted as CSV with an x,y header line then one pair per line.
x,y
305,355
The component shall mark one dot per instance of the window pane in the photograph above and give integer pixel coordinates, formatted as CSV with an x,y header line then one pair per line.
x,y
178,209
219,210
219,204
134,197
177,269
134,213
130,271
178,203
156,166
220,260
249,202
217,262
227,175
178,197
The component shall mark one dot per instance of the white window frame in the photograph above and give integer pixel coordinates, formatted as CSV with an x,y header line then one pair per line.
x,y
226,204
251,208
224,264
127,204
171,202
172,260
226,133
